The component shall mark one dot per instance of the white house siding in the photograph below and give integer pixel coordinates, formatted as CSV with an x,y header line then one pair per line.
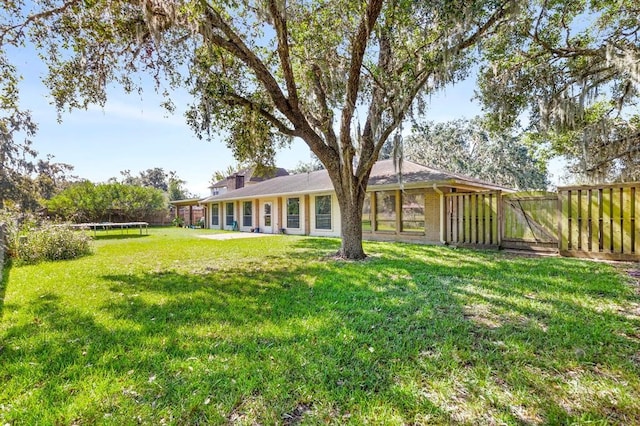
x,y
431,182
308,214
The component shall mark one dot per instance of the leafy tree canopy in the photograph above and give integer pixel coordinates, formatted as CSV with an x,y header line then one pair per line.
x,y
152,178
176,189
574,67
219,175
26,180
169,183
89,202
464,146
306,167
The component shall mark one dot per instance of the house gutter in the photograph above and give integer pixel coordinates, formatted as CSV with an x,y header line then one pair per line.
x,y
443,214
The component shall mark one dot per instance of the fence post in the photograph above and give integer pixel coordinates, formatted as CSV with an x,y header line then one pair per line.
x,y
3,241
500,218
559,219
443,214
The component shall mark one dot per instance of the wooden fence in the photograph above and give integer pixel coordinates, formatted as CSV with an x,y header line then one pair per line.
x,y
583,221
473,219
602,221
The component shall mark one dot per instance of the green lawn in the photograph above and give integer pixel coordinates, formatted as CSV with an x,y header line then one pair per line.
x,y
170,328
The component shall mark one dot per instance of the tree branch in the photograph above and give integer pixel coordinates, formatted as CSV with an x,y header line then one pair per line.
x,y
367,145
36,17
236,47
422,76
483,29
280,25
326,122
358,49
234,99
633,149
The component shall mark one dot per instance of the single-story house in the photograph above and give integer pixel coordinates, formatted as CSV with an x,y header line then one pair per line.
x,y
192,211
242,178
409,207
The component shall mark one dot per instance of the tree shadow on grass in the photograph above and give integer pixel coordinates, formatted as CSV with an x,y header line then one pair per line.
x,y
65,358
389,311
428,335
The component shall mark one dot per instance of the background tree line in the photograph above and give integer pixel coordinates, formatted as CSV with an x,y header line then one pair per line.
x,y
106,202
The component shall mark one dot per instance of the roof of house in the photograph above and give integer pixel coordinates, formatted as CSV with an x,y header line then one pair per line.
x,y
384,173
250,176
219,184
185,202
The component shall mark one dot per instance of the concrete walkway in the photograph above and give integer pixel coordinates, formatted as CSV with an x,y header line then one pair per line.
x,y
234,235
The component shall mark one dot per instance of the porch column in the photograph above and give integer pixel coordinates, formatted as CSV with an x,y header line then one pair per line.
x,y
307,215
256,214
398,211
374,212
443,214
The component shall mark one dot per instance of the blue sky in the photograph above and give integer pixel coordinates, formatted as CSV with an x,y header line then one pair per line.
x,y
134,132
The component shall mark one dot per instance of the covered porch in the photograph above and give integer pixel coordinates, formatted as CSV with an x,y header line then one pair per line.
x,y
190,211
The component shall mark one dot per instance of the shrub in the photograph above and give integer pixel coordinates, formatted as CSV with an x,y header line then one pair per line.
x,y
51,242
13,223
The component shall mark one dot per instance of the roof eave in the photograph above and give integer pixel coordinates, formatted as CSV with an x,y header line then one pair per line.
x,y
268,195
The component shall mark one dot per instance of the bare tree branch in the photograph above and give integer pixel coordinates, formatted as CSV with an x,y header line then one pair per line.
x,y
358,49
326,122
280,24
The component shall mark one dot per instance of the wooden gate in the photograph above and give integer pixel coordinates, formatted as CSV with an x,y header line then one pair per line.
x,y
530,221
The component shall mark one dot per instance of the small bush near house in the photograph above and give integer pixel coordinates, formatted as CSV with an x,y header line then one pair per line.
x,y
52,243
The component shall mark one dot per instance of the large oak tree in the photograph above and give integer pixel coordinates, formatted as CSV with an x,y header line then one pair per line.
x,y
574,68
341,75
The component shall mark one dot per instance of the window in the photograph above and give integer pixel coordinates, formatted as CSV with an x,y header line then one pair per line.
x,y
215,214
293,213
247,218
323,212
229,216
366,213
267,214
386,210
413,211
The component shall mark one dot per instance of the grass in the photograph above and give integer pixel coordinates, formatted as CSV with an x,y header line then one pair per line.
x,y
173,329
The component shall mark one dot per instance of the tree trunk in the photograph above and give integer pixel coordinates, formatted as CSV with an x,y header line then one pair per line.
x,y
350,203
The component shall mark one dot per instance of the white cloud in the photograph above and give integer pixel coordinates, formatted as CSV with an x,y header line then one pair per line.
x,y
140,111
